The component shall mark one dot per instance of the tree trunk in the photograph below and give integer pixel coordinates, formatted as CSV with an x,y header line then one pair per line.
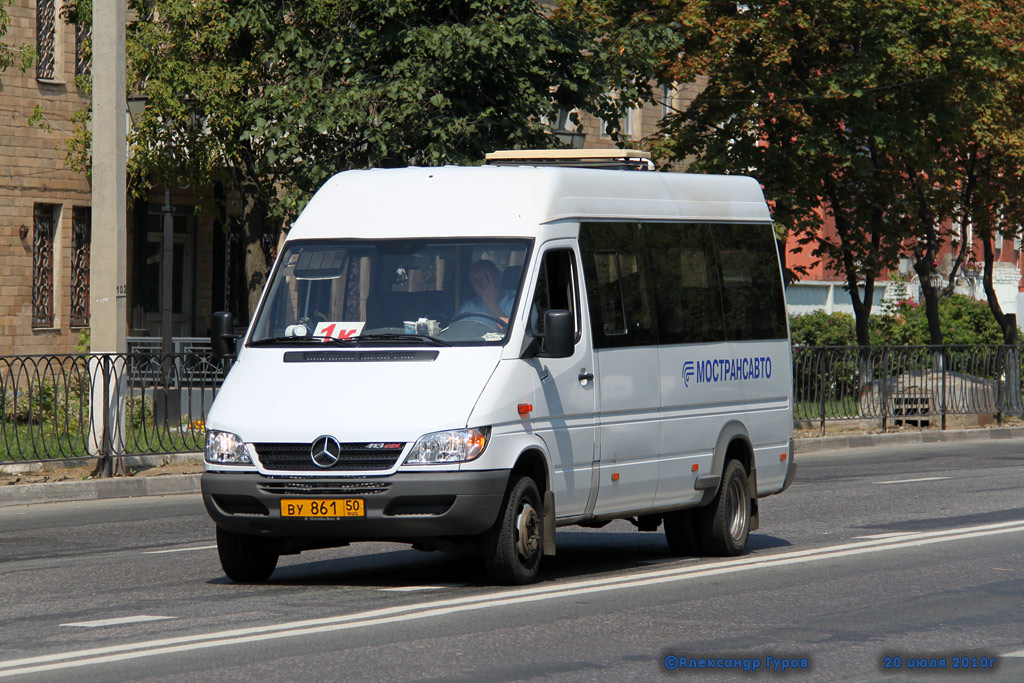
x,y
254,230
923,268
925,260
1008,326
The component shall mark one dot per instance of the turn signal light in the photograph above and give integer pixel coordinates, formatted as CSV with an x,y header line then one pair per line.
x,y
694,467
615,476
782,457
525,408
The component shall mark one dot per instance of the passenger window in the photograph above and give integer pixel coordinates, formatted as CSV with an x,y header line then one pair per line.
x,y
556,290
618,288
752,296
685,276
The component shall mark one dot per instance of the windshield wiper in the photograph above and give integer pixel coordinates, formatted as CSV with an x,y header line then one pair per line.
x,y
395,336
334,341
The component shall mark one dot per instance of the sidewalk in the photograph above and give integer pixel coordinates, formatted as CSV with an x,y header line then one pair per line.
x,y
156,478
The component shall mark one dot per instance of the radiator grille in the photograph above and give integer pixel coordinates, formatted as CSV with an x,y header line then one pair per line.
x,y
295,457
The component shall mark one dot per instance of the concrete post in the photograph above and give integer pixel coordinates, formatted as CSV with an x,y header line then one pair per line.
x,y
107,282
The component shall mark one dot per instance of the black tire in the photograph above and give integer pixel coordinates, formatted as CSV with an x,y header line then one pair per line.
x,y
681,533
245,559
724,524
514,546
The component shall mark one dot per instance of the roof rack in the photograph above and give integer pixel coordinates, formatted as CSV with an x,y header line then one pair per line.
x,y
609,159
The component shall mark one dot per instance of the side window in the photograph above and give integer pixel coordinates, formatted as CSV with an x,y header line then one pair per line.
x,y
752,297
556,289
684,273
618,285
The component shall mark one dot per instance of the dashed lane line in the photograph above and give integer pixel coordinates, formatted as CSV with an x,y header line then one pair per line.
x,y
137,619
912,481
178,550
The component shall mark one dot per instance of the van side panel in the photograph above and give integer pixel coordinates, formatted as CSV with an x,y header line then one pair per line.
x,y
705,386
630,427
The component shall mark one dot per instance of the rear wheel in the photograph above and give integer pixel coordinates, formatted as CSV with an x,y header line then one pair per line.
x,y
513,547
245,559
724,524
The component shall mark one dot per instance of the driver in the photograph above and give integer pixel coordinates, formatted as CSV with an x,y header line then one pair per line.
x,y
485,278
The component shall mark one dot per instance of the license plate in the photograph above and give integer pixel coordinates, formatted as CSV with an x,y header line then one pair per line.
x,y
322,507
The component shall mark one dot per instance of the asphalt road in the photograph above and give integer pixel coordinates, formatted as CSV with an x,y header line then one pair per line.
x,y
893,556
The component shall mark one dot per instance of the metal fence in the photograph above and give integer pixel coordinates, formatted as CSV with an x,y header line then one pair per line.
x,y
897,385
70,406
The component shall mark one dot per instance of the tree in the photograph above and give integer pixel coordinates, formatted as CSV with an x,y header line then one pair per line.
x,y
858,108
273,97
789,98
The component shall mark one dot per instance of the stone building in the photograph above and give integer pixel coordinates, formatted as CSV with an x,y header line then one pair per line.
x,y
44,207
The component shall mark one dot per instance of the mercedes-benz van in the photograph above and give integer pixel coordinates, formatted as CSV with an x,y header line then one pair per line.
x,y
465,358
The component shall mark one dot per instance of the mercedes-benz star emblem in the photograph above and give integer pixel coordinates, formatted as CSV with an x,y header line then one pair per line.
x,y
325,451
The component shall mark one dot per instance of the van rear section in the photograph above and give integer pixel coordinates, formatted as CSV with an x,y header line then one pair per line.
x,y
465,359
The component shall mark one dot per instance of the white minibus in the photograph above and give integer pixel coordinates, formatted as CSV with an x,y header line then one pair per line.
x,y
466,358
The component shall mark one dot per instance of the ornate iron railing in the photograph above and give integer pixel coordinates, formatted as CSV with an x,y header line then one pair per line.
x,y
105,405
113,405
899,385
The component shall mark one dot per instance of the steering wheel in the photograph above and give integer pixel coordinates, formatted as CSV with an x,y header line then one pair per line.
x,y
498,322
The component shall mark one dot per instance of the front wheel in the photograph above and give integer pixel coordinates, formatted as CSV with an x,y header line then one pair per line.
x,y
245,559
513,547
724,524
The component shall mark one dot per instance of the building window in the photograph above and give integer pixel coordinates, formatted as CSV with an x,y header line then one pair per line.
x,y
46,39
81,236
627,125
82,60
42,264
666,101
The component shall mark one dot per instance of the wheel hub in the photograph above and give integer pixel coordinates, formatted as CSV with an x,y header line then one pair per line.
x,y
737,502
527,532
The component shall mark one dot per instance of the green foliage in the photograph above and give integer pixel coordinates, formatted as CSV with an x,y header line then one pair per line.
x,y
892,115
963,320
84,340
282,96
819,328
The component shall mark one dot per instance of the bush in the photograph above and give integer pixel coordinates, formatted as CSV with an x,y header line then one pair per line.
x,y
904,323
963,321
819,328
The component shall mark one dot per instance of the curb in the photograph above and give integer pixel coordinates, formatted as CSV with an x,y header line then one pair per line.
x,y
98,489
821,443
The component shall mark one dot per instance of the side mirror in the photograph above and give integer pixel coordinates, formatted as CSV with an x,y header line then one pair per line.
x,y
559,334
222,336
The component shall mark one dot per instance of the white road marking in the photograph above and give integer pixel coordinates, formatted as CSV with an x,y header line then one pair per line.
x,y
137,619
436,608
893,534
178,550
1018,653
409,589
910,481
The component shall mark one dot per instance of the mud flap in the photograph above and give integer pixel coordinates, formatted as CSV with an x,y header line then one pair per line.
x,y
549,523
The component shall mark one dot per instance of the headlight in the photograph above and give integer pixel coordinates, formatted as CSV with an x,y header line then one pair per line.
x,y
224,448
457,445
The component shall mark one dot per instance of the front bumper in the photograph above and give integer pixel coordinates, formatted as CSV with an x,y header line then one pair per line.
x,y
400,507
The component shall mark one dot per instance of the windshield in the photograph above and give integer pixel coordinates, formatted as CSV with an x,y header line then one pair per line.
x,y
425,291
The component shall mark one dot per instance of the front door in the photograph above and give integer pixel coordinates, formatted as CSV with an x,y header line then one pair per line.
x,y
565,397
